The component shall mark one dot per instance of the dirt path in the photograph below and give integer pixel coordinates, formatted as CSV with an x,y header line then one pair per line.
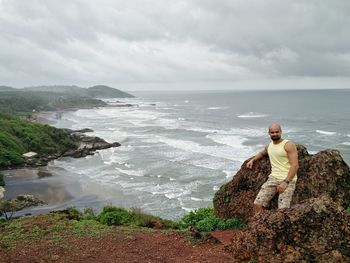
x,y
119,247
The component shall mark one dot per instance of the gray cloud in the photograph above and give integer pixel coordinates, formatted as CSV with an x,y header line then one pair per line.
x,y
88,42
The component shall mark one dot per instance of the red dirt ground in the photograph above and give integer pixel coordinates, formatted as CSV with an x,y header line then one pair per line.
x,y
117,246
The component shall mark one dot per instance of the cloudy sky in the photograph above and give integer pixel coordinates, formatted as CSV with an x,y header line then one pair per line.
x,y
182,44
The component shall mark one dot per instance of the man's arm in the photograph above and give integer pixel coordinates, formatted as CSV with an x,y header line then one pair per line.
x,y
292,154
257,157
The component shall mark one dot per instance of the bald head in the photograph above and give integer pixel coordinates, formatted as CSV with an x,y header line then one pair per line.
x,y
274,126
275,132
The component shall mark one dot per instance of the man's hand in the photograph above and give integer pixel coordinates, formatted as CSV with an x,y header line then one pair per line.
x,y
250,164
282,187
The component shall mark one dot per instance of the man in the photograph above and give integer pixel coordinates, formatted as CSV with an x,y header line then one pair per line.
x,y
283,157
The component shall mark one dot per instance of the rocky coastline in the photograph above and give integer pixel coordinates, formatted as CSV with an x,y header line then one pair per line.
x,y
86,145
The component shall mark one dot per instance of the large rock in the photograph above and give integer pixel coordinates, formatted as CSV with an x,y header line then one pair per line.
x,y
20,202
317,230
324,173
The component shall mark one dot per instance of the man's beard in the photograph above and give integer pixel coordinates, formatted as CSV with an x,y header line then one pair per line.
x,y
275,138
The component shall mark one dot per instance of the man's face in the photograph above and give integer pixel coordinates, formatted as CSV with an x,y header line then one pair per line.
x,y
275,133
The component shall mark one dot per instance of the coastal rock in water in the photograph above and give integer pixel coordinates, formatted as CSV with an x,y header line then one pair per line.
x,y
324,173
88,145
19,203
44,173
317,230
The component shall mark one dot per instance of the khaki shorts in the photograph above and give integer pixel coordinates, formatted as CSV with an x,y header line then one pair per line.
x,y
269,189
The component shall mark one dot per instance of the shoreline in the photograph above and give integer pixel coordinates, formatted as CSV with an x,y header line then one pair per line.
x,y
57,191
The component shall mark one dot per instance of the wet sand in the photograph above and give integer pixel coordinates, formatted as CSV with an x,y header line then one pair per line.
x,y
51,189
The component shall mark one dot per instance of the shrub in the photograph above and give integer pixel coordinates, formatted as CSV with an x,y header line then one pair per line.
x,y
197,215
204,219
89,214
111,215
348,209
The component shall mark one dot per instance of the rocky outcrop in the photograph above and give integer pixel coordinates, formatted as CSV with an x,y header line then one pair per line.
x,y
87,145
324,173
19,203
317,230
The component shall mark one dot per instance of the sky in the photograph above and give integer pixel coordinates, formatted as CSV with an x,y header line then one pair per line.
x,y
182,44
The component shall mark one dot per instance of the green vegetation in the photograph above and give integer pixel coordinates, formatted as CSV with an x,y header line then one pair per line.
x,y
19,136
23,103
204,219
57,227
98,91
348,209
2,180
54,227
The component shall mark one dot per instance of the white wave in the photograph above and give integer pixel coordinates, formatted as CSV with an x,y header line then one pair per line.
x,y
252,115
216,108
348,135
230,140
188,209
325,132
196,199
215,187
229,173
346,143
181,119
131,172
251,132
209,163
216,151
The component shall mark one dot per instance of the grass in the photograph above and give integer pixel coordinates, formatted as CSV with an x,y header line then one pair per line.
x,y
58,226
54,227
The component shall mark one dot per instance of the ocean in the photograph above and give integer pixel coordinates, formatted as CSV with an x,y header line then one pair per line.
x,y
179,147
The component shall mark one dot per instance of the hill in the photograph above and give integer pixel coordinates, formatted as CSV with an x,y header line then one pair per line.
x,y
101,91
98,91
24,103
7,88
72,89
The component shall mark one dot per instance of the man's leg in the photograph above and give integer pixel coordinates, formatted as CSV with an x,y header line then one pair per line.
x,y
267,191
285,198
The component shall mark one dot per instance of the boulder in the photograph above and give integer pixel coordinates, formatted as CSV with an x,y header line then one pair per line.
x,y
316,230
324,173
44,173
29,155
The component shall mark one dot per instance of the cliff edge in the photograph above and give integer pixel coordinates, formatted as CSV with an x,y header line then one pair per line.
x,y
315,229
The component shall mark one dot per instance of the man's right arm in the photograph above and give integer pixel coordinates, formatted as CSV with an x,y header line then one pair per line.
x,y
257,157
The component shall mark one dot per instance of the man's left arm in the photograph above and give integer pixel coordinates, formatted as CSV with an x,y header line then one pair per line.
x,y
292,154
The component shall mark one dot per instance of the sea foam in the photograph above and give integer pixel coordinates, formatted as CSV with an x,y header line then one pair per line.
x,y
325,132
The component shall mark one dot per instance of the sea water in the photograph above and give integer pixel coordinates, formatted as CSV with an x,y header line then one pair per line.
x,y
178,148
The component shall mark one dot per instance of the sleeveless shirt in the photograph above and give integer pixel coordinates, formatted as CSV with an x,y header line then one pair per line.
x,y
280,164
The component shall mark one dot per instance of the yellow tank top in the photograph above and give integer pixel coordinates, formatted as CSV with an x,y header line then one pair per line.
x,y
280,164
